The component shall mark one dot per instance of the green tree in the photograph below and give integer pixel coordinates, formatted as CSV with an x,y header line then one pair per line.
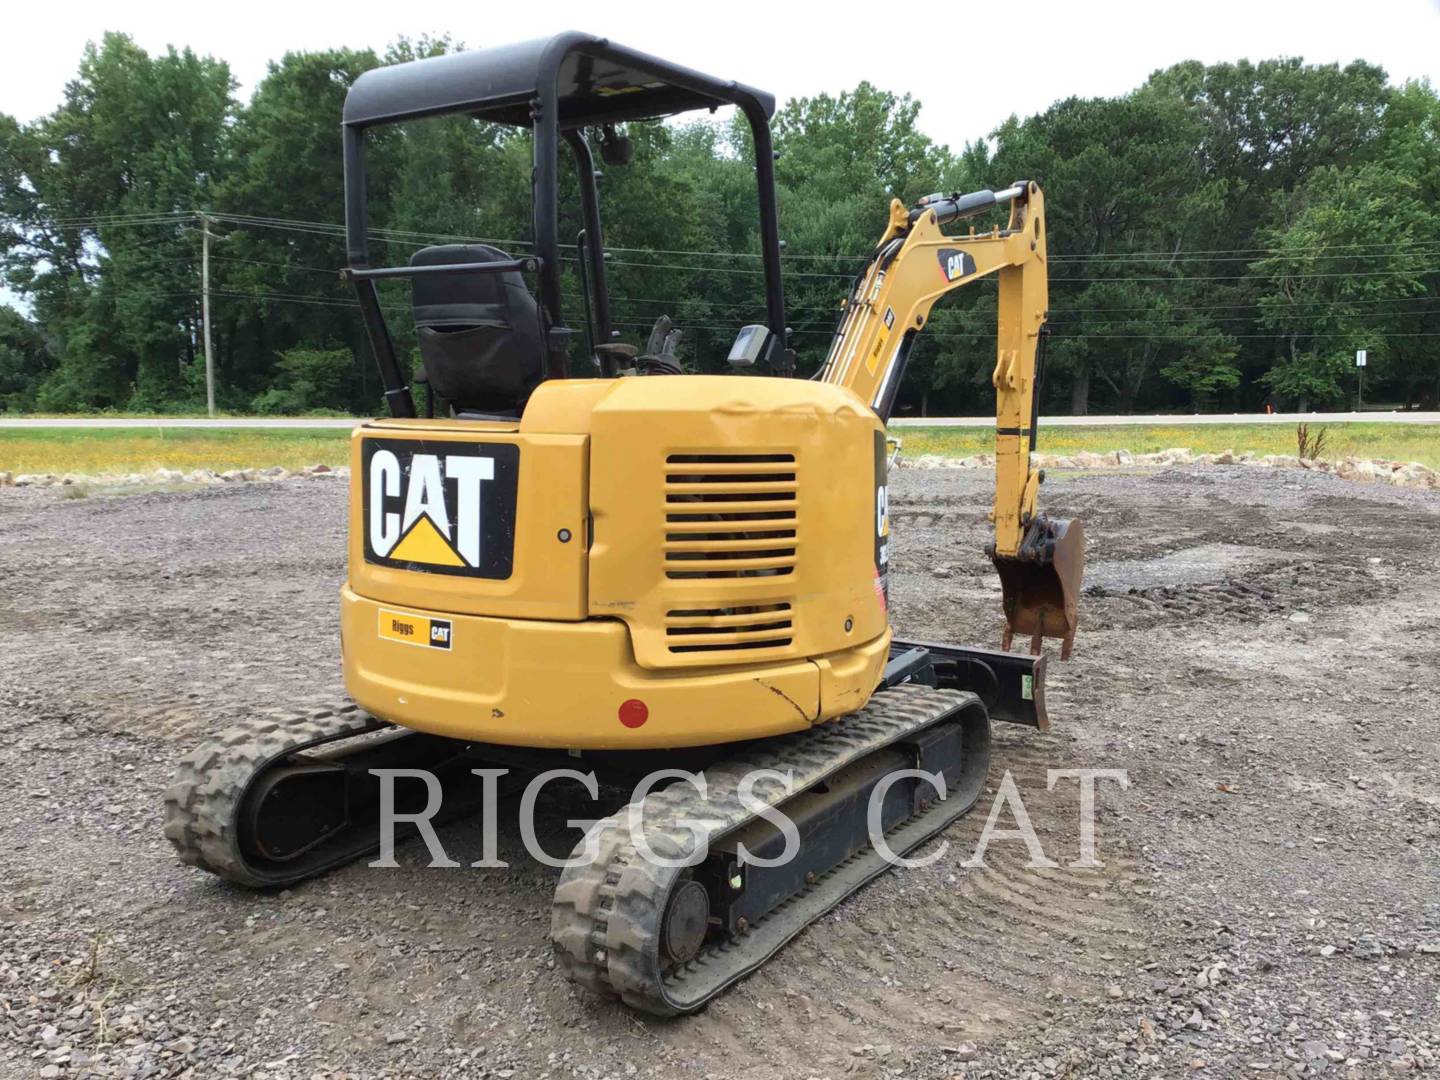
x,y
25,360
307,380
1267,126
95,199
842,159
1122,199
278,283
1410,147
1345,261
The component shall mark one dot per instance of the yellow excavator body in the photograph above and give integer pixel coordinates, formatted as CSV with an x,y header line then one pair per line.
x,y
646,570
692,561
705,556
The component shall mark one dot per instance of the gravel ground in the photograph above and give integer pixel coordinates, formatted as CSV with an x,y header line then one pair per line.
x,y
1257,650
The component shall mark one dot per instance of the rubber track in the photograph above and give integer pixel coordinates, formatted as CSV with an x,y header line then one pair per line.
x,y
606,916
201,805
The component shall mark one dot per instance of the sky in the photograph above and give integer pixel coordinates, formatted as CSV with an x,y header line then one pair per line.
x,y
971,65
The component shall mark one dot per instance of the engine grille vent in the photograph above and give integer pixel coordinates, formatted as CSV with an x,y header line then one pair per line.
x,y
730,515
758,626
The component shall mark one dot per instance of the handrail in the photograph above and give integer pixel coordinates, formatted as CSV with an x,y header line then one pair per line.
x,y
528,265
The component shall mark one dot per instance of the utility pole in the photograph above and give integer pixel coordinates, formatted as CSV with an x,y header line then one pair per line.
x,y
205,313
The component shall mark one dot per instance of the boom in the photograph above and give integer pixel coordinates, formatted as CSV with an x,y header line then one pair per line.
x,y
914,265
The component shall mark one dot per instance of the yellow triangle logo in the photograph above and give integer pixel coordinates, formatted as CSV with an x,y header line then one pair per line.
x,y
424,544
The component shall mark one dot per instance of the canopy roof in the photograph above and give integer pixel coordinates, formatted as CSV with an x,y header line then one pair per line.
x,y
595,82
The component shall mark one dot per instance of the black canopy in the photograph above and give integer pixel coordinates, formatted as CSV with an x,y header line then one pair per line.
x,y
594,80
555,87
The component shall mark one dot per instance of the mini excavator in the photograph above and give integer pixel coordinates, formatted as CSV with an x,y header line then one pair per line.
x,y
627,568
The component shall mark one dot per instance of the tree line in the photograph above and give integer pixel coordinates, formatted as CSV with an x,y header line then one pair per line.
x,y
1222,237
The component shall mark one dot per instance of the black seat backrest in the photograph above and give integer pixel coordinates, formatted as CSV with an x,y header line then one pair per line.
x,y
479,333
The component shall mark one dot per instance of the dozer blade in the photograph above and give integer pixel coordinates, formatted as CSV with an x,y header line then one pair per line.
x,y
1040,583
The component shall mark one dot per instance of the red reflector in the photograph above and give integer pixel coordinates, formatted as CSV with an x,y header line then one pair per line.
x,y
633,713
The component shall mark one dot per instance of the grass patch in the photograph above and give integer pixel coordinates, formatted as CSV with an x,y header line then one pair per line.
x,y
134,450
1396,442
138,450
201,414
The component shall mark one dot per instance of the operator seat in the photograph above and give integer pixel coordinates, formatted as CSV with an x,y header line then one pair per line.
x,y
479,333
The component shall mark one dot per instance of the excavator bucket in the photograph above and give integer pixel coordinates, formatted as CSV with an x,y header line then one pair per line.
x,y
1040,583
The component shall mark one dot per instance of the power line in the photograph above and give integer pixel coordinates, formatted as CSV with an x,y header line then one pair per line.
x,y
1197,252
1389,253
1208,254
414,238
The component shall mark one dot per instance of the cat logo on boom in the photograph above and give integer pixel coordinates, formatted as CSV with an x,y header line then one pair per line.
x,y
440,507
956,264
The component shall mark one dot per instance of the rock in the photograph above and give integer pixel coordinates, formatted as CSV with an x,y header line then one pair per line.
x,y
1114,993
1176,455
49,1072
182,1045
167,476
1088,459
1326,951
1225,457
926,461
278,473
1213,975
970,463
6,479
1124,457
1415,475
318,470
1358,469
1368,949
1314,1049
1207,459
1062,463
966,1051
34,480
396,1039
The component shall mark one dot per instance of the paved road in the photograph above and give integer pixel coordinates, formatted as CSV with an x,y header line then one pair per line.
x,y
1185,420
933,421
